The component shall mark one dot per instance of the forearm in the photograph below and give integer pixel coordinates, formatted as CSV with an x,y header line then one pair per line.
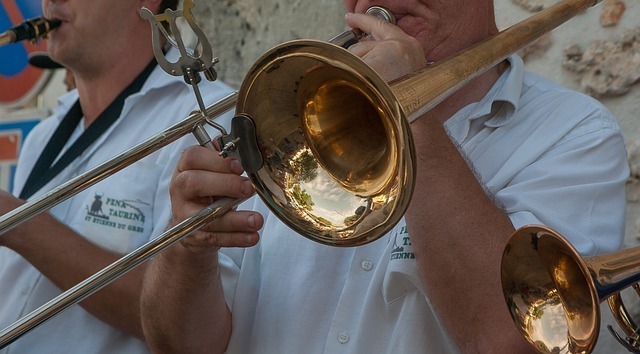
x,y
465,234
66,259
183,306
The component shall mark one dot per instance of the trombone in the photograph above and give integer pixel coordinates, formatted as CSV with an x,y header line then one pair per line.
x,y
299,110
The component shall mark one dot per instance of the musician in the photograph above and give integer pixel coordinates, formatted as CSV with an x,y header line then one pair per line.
x,y
508,149
108,47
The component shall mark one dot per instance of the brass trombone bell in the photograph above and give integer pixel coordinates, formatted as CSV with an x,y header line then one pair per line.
x,y
554,294
337,148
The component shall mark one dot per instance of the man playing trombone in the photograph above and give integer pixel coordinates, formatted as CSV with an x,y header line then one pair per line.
x,y
506,150
122,97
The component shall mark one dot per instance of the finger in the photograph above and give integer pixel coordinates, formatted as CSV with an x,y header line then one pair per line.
x,y
236,221
362,48
192,184
233,229
206,240
378,28
202,158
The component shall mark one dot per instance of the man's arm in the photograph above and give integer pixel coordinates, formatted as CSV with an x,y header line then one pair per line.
x,y
183,304
458,234
465,235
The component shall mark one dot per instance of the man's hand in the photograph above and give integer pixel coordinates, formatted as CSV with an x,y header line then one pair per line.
x,y
390,51
201,177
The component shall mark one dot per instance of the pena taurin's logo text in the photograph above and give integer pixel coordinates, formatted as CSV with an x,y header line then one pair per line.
x,y
116,213
402,245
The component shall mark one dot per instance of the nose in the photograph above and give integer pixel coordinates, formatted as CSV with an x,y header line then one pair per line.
x,y
47,3
48,7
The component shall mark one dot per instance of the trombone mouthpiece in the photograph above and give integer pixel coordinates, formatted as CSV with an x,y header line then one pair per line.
x,y
32,30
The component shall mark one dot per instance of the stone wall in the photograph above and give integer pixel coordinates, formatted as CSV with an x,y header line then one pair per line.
x,y
242,30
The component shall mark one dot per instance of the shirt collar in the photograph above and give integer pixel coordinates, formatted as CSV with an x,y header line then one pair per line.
x,y
505,91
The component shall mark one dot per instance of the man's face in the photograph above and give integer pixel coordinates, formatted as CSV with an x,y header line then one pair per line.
x,y
442,27
90,30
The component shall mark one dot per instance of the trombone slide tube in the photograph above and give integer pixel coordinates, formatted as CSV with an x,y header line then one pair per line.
x,y
117,163
107,275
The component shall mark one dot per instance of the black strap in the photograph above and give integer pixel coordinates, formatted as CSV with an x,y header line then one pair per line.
x,y
43,171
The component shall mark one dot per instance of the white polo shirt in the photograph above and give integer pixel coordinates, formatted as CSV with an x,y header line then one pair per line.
x,y
549,156
119,214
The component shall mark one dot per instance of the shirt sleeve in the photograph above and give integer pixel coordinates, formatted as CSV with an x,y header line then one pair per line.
x,y
577,188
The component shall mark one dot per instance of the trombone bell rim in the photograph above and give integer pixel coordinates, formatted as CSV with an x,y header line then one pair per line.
x,y
371,185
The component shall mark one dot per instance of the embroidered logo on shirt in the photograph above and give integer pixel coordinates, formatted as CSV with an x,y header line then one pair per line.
x,y
402,245
117,213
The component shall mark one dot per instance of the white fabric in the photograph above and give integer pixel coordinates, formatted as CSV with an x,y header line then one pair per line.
x,y
119,214
548,155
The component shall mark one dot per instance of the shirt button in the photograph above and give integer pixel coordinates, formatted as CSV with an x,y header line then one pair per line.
x,y
25,291
343,338
366,264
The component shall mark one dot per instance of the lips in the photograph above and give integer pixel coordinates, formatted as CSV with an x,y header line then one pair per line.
x,y
54,17
56,12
